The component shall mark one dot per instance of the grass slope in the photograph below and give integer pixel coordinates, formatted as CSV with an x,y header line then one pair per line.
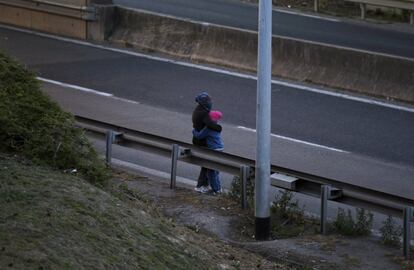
x,y
51,220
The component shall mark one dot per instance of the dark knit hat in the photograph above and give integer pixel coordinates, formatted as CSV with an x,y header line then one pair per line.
x,y
204,100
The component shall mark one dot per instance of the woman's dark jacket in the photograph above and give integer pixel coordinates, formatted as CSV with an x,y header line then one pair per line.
x,y
200,120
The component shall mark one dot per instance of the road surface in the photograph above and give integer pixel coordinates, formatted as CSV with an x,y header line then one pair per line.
x,y
234,13
345,139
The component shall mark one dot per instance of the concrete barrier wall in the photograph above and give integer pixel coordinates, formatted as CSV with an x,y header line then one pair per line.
x,y
61,17
343,68
42,21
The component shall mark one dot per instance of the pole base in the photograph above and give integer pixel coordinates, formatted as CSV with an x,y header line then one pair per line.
x,y
262,229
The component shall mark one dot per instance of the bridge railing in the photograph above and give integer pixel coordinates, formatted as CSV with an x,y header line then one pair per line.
x,y
400,4
317,186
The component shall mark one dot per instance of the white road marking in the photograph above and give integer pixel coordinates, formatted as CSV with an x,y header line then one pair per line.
x,y
306,15
298,141
88,90
80,88
217,70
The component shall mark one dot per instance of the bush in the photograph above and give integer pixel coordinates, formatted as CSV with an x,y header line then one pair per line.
x,y
288,218
345,224
32,125
390,232
235,191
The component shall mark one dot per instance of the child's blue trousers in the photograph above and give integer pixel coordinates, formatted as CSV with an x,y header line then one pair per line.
x,y
214,178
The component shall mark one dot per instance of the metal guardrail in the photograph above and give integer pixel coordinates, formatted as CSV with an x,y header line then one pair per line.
x,y
87,13
313,185
401,4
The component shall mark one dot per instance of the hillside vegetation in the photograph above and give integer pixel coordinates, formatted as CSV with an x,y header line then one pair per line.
x,y
52,219
34,126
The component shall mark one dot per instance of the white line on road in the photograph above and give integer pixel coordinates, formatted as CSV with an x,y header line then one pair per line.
x,y
298,141
217,70
88,90
305,15
84,89
80,88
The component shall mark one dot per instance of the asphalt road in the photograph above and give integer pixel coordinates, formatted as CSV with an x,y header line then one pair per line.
x,y
234,13
360,128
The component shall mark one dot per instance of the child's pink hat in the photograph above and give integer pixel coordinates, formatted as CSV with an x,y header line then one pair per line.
x,y
215,115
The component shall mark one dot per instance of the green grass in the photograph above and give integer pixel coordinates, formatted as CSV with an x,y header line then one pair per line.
x,y
51,220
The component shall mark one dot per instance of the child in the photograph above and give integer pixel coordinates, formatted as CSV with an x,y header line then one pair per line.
x,y
213,140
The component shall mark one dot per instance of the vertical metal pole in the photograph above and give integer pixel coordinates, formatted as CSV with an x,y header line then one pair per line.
x,y
363,8
244,175
174,158
408,216
411,17
325,190
316,5
109,142
263,120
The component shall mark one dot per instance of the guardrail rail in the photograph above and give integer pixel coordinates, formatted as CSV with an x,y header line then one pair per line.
x,y
400,4
324,188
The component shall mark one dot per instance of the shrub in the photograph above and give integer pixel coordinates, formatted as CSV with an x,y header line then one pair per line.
x,y
32,125
235,191
288,218
390,232
346,225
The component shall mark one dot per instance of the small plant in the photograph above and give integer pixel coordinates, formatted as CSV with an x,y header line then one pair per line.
x,y
235,191
346,225
288,218
390,232
287,208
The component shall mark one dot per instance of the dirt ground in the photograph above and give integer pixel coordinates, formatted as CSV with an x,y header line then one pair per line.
x,y
221,217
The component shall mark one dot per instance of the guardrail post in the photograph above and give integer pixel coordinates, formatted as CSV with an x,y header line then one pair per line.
x,y
174,157
244,176
408,218
110,135
325,191
363,8
316,5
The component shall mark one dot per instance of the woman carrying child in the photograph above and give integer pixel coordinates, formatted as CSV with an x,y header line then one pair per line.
x,y
214,141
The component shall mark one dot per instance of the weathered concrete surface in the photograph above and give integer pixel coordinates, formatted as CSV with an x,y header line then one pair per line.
x,y
31,16
100,29
42,21
343,68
